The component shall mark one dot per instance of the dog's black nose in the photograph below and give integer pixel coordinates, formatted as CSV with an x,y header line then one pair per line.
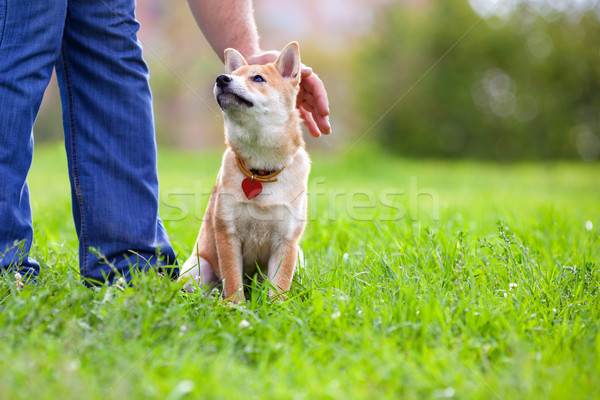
x,y
223,80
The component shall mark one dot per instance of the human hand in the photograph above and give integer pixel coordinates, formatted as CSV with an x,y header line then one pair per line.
x,y
313,103
312,99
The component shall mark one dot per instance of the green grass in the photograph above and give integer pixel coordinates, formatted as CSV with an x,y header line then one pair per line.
x,y
424,279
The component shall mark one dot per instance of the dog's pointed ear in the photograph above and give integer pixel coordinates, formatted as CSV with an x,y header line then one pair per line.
x,y
288,63
233,60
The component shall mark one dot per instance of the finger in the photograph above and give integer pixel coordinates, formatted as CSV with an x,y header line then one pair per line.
x,y
308,97
321,121
313,85
309,122
307,107
305,71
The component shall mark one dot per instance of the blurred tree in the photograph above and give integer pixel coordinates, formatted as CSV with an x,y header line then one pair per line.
x,y
520,86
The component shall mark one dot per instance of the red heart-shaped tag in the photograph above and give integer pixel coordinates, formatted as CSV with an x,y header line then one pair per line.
x,y
251,188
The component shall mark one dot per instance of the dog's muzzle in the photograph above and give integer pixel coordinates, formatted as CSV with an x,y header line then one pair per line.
x,y
227,95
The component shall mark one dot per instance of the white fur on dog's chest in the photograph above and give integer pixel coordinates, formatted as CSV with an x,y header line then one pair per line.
x,y
262,231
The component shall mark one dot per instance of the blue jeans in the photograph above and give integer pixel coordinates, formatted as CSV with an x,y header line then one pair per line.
x,y
109,132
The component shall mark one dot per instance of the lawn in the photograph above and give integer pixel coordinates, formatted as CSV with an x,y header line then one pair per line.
x,y
424,279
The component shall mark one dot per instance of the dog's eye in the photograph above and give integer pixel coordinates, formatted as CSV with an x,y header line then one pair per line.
x,y
258,78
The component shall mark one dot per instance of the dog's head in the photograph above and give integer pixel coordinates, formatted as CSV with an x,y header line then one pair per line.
x,y
259,94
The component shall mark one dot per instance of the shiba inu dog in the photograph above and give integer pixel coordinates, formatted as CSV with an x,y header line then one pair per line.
x,y
257,210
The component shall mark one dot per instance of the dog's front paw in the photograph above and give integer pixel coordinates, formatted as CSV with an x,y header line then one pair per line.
x,y
236,298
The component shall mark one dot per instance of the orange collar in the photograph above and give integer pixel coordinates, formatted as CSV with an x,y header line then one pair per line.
x,y
261,176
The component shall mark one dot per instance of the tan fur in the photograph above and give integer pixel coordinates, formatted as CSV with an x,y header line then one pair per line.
x,y
238,234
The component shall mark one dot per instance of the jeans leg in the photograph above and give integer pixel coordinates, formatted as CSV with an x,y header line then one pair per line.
x,y
30,37
110,141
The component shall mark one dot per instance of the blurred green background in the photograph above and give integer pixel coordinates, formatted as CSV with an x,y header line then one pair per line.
x,y
482,79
